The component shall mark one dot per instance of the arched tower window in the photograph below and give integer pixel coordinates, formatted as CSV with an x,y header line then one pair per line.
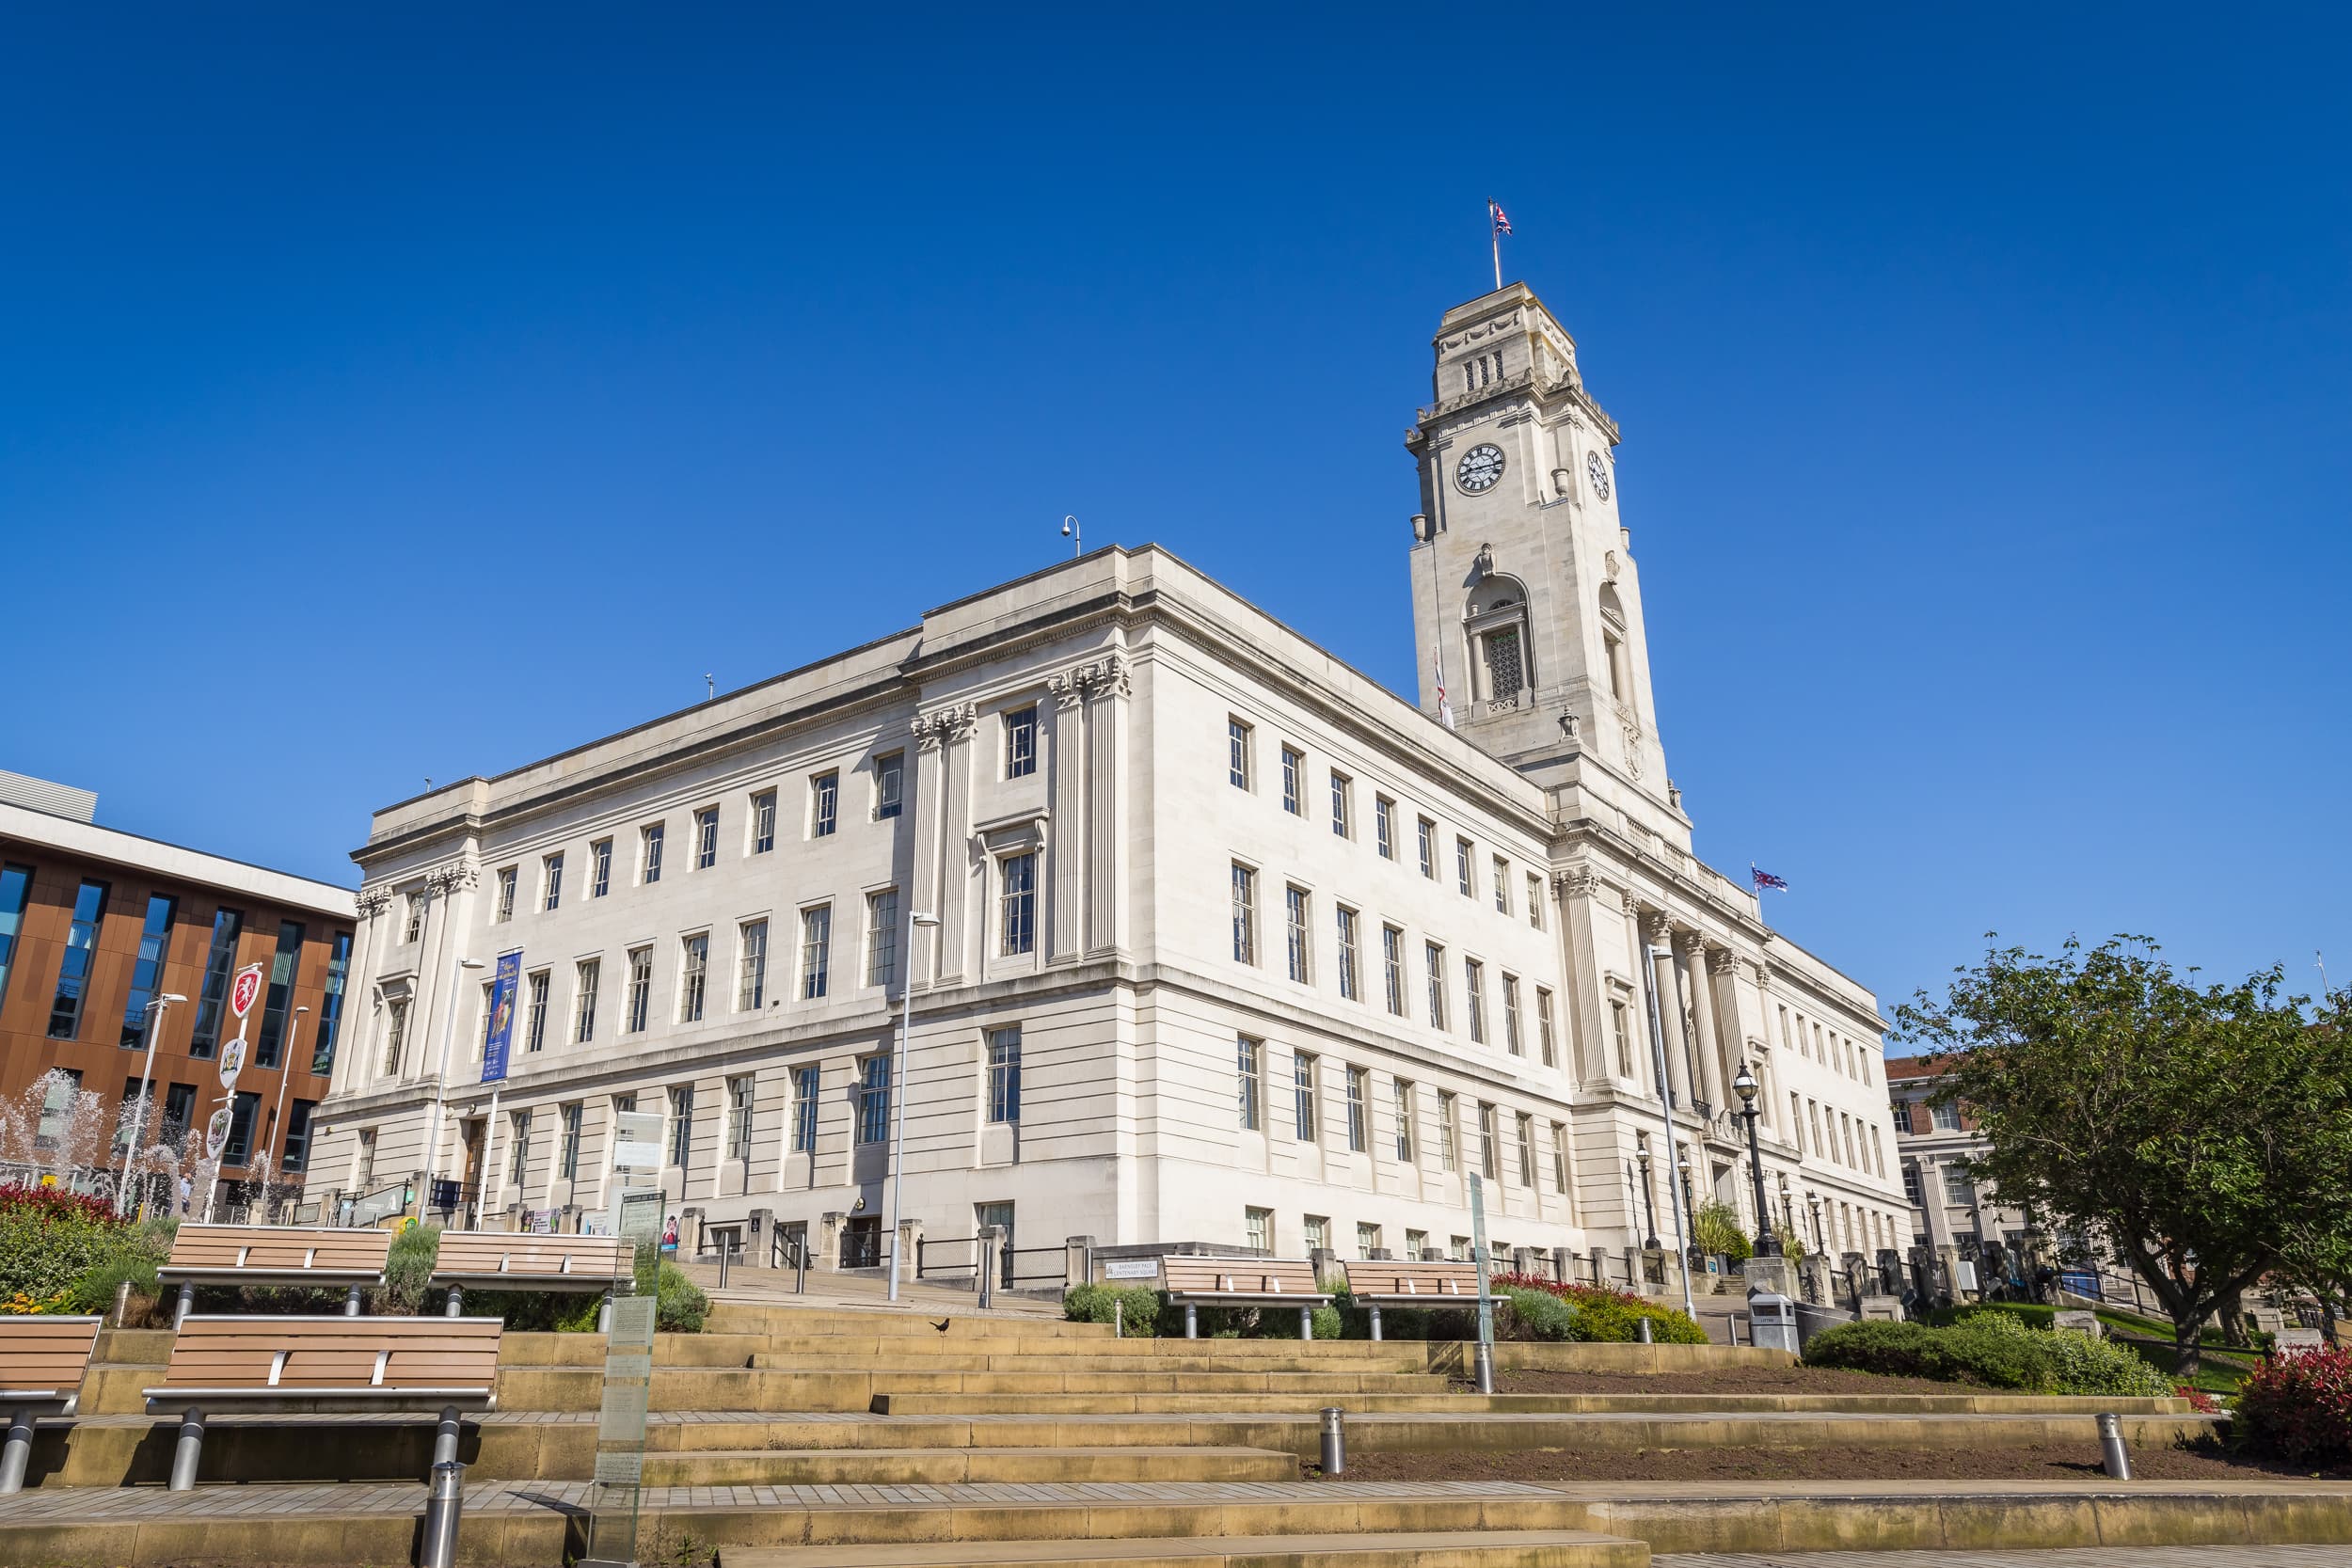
x,y
1613,643
1502,670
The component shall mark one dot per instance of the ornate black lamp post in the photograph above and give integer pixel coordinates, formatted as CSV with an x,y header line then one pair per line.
x,y
1766,1245
1649,1199
1694,1252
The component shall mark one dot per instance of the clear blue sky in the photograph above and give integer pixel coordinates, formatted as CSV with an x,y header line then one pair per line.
x,y
416,396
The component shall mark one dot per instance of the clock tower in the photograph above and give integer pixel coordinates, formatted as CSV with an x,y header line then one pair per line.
x,y
1526,603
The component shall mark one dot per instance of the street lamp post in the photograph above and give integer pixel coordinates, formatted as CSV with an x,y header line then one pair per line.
x,y
898,1094
1692,1253
1649,1199
1813,1201
440,1085
1766,1245
285,1071
147,1069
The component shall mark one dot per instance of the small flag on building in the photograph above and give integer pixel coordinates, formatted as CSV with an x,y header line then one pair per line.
x,y
1494,210
1765,878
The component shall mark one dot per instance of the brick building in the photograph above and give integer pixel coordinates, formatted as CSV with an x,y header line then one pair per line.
x,y
96,924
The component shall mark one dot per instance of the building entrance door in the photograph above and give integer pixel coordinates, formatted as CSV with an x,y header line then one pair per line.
x,y
999,1214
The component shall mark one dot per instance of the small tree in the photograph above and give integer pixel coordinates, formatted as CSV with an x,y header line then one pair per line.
x,y
2197,1128
1716,1228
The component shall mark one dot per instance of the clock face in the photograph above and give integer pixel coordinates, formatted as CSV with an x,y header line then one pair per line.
x,y
1479,468
1597,466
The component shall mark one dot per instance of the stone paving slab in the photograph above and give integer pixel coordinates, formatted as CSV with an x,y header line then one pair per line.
x,y
2065,1556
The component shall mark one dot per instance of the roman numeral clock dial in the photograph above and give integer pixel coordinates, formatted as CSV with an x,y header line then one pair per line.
x,y
1480,467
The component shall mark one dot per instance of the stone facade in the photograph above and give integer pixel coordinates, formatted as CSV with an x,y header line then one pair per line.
x,y
1195,874
1933,1141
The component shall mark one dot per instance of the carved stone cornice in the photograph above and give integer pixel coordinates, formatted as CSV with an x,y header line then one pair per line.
x,y
1576,884
1722,961
449,879
944,725
1657,925
372,902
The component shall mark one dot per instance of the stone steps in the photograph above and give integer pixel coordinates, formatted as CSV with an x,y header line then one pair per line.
x,y
1403,1549
746,1318
903,1401
873,1466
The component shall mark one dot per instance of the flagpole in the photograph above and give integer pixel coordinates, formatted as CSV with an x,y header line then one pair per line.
x,y
1494,240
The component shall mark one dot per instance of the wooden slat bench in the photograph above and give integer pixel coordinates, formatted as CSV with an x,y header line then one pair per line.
x,y
506,1260
1197,1282
1379,1282
278,1364
274,1255
42,1363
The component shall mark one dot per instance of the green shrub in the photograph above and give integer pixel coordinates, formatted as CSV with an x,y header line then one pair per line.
x,y
680,1307
93,1290
1996,1349
1325,1322
1533,1315
2298,1408
406,1271
1136,1307
1716,1230
49,1238
1603,1314
538,1311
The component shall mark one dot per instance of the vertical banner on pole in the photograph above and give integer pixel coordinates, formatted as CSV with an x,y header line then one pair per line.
x,y
1478,1247
501,1018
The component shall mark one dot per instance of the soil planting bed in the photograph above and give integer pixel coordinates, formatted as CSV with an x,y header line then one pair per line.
x,y
2204,1461
1731,1380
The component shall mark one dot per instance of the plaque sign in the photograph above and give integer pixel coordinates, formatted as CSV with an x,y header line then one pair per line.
x,y
620,1464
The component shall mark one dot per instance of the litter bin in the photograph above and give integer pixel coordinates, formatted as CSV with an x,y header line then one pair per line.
x,y
1772,1321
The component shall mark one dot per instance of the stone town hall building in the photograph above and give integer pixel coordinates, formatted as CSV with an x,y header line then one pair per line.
x,y
1233,945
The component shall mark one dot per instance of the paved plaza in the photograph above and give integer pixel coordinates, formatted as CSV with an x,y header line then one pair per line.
x,y
2076,1557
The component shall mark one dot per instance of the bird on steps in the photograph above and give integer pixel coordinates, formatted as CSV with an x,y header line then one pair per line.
x,y
942,1324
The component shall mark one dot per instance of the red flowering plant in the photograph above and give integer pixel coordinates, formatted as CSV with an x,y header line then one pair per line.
x,y
48,1238
2298,1408
1603,1313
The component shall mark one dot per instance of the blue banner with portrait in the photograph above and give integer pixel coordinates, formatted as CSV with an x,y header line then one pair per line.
x,y
501,1020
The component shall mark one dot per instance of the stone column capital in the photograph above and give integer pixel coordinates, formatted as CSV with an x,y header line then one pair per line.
x,y
943,725
1722,961
1657,925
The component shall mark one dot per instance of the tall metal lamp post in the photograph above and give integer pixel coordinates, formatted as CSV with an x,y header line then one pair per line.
x,y
440,1085
1649,1199
155,1010
898,1094
1766,1245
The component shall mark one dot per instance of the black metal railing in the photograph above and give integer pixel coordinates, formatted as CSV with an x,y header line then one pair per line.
x,y
947,1258
1013,1274
861,1249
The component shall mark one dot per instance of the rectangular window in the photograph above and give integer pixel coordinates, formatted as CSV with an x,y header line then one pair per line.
x,y
1343,822
1246,1059
750,966
1463,876
1021,742
1367,1239
1878,1152
1293,763
1392,967
489,1018
1402,1095
367,1157
16,886
1237,753
815,952
1433,958
395,1035
331,1004
1348,953
1303,1115
890,784
1536,900
278,1000
739,1118
1943,1117
1245,915
1257,1228
585,975
706,838
1416,1242
1004,1074
649,852
1621,1032
535,1012
294,1150
1543,1026
1560,1157
1429,848
1527,1150
1474,988
1295,915
1511,1040
508,877
1489,1143
1359,1113
873,1100
60,1086
682,1125
763,821
693,976
520,1161
239,1147
1796,1122
805,1081
81,953
640,990
824,804
567,1149
147,971
1502,885
600,868
1384,825
1845,1131
412,927
552,878
1449,1134
1017,905
1316,1234
129,1123
881,937
1958,1190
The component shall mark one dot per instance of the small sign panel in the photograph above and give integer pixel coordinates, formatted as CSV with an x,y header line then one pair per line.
x,y
621,1470
637,1141
244,988
1131,1268
501,1030
232,1062
217,1133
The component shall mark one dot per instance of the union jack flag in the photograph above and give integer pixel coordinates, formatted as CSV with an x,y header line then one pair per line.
x,y
1765,879
1494,210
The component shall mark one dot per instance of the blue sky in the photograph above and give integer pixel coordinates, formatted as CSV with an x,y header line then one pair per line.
x,y
406,396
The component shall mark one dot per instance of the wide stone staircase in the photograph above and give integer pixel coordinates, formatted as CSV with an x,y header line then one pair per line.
x,y
792,1438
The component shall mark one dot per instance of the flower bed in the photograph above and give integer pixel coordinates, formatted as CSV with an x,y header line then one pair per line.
x,y
2298,1408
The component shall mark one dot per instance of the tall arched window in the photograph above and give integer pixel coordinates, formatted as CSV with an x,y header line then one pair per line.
x,y
1503,667
1613,643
